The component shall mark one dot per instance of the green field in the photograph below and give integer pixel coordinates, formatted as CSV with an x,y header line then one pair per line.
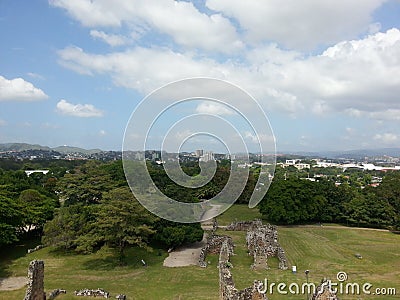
x,y
323,250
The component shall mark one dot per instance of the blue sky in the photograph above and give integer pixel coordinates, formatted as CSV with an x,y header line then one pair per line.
x,y
326,73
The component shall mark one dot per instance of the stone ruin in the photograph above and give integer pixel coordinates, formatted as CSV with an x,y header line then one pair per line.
x,y
35,289
93,293
243,225
227,289
54,293
213,246
262,242
38,247
324,292
214,226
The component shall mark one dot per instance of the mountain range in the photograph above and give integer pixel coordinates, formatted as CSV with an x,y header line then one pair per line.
x,y
61,149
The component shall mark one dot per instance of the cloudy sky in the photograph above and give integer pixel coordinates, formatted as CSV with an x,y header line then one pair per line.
x,y
326,73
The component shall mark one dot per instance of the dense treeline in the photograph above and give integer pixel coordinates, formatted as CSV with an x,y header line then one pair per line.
x,y
98,208
297,200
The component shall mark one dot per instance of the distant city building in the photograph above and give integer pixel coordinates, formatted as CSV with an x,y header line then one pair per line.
x,y
291,162
30,172
199,153
301,166
139,155
325,164
208,156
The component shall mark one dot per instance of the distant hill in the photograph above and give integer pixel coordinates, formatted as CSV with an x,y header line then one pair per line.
x,y
68,149
22,147
61,149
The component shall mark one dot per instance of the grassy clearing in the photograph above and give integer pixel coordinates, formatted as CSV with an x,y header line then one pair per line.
x,y
323,250
238,212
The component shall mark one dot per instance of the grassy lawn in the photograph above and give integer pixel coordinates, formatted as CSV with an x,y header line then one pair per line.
x,y
238,212
323,250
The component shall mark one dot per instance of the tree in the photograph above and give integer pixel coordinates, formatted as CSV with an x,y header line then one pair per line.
x,y
389,190
292,201
69,223
36,209
120,221
368,210
173,234
10,219
86,185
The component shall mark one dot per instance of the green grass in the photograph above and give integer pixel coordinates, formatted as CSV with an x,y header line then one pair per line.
x,y
238,212
323,250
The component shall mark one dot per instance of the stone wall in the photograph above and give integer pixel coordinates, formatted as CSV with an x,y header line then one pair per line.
x,y
227,289
262,242
213,246
35,289
243,225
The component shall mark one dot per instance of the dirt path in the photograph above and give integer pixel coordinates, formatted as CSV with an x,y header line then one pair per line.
x,y
189,256
12,283
185,256
208,215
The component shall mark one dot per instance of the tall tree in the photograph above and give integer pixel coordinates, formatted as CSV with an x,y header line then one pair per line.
x,y
70,223
86,185
10,219
120,221
173,234
36,209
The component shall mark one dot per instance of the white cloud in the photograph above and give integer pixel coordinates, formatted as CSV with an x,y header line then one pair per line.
x,y
374,28
260,138
35,75
179,20
2,122
356,77
92,13
111,39
19,90
386,138
353,76
299,24
214,109
142,69
78,110
102,132
386,115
